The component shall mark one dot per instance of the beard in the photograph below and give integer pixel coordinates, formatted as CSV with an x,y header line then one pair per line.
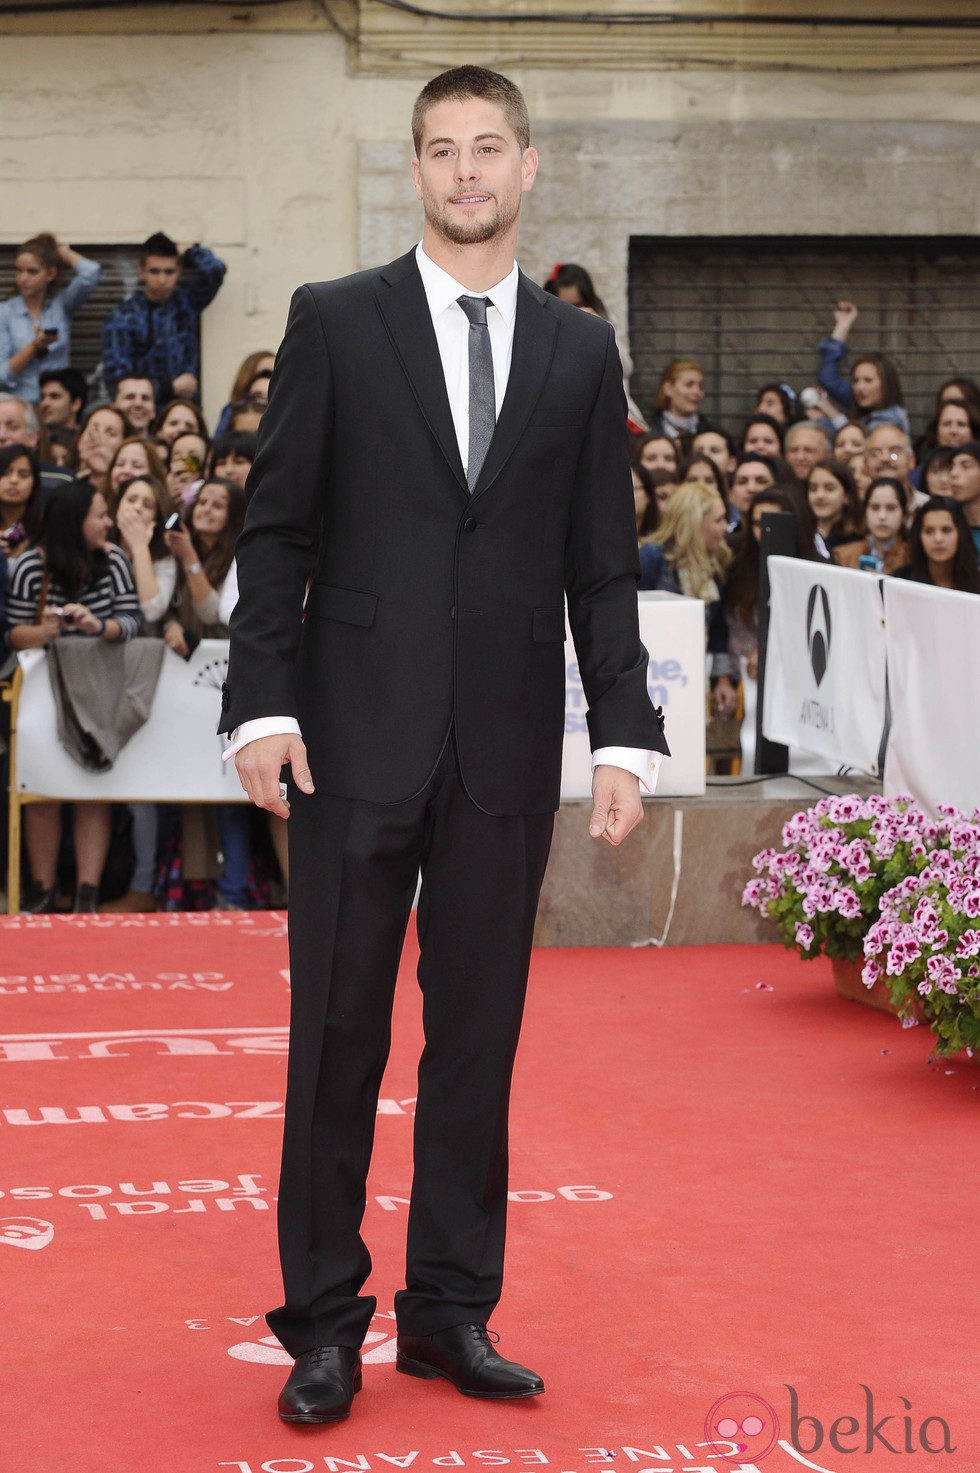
x,y
476,231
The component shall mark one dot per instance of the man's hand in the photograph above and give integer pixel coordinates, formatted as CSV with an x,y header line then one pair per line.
x,y
259,764
616,805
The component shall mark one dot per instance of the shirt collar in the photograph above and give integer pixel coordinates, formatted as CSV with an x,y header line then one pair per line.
x,y
441,289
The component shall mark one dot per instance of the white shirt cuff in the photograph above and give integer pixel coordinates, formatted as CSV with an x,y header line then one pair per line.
x,y
250,731
644,765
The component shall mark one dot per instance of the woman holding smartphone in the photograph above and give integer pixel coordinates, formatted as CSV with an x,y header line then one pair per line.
x,y
35,323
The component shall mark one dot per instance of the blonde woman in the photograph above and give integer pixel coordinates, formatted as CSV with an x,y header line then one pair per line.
x,y
689,555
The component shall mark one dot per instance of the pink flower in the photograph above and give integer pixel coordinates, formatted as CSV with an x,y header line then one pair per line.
x,y
971,904
870,973
804,935
942,972
753,892
847,808
848,905
968,944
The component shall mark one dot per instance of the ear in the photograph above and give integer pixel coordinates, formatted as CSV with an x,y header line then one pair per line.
x,y
417,178
529,168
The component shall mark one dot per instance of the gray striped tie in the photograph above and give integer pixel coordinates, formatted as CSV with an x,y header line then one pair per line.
x,y
483,404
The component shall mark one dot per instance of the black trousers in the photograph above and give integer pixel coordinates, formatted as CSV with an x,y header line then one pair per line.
x,y
353,868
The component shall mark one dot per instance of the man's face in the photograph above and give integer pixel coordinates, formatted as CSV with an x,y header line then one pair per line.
x,y
13,425
56,406
804,447
964,480
159,275
134,396
471,172
887,453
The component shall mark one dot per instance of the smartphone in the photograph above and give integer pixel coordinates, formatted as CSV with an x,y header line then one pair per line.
x,y
51,333
172,522
869,564
15,535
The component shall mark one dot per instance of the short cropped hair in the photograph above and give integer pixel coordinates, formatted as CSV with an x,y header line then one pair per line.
x,y
71,380
462,82
158,244
795,430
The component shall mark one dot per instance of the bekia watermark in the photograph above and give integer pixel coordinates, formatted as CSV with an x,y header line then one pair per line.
x,y
742,1424
895,1432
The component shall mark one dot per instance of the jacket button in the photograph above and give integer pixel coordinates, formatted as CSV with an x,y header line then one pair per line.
x,y
470,524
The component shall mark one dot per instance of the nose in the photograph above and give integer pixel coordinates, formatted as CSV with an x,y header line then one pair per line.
x,y
466,166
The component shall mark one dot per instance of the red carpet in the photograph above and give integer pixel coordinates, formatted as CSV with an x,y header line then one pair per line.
x,y
727,1182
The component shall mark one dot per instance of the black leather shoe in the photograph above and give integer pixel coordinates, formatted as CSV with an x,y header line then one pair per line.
x,y
464,1355
38,902
321,1385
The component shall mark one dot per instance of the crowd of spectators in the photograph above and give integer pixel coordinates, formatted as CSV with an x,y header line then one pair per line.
x,y
119,519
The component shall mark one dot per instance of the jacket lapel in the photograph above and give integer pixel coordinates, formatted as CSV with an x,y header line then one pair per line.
x,y
405,311
535,336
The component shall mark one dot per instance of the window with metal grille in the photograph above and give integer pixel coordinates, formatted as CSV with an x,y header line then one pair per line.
x,y
119,279
752,309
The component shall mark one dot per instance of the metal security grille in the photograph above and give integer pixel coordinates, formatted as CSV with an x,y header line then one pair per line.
x,y
753,309
119,279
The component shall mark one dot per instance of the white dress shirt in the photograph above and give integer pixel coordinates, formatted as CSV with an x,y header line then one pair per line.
x,y
452,337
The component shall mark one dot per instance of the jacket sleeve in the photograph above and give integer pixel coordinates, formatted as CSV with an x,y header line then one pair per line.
x,y
83,282
276,550
832,354
601,573
203,289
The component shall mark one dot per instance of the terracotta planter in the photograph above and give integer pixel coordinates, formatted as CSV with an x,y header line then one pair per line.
x,y
847,981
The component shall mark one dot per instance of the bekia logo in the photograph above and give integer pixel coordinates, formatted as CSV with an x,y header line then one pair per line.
x,y
818,631
743,1422
26,1232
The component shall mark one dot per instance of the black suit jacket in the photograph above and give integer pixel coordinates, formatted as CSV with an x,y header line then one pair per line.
x,y
431,607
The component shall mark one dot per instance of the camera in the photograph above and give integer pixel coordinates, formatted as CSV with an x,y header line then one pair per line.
x,y
15,535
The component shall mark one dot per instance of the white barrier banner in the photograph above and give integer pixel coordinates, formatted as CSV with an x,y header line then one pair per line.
x,y
825,663
672,629
175,757
934,686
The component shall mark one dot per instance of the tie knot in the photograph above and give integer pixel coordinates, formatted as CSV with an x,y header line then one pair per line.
x,y
475,309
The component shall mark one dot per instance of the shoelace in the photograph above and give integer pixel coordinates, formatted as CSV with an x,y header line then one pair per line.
x,y
320,1353
485,1336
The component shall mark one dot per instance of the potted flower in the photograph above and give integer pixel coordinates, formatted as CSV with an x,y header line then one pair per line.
x,y
822,890
926,945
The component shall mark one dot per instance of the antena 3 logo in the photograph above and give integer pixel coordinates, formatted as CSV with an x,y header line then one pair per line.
x,y
818,631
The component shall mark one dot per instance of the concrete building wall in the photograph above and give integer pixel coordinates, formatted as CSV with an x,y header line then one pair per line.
x,y
269,149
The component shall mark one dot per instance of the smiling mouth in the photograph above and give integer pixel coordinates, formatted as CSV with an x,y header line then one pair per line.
x,y
470,199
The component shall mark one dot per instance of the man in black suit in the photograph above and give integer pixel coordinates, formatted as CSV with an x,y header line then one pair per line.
x,y
444,457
